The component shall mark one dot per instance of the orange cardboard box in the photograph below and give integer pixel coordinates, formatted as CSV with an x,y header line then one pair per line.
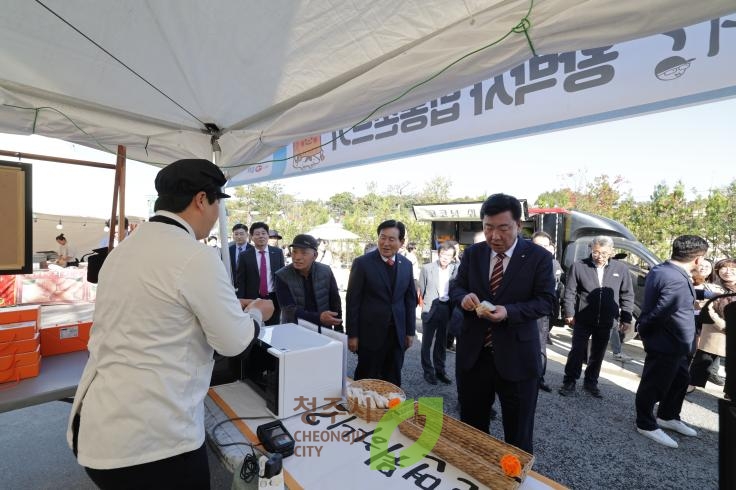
x,y
13,332
22,359
16,373
17,314
61,339
20,346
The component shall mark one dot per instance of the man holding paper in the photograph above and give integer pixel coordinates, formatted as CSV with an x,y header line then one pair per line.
x,y
503,285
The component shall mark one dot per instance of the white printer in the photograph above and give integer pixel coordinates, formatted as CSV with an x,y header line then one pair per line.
x,y
289,364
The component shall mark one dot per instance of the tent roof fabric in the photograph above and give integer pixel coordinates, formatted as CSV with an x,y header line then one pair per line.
x,y
161,77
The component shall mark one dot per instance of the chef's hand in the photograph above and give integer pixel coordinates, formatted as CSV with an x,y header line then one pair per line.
x,y
353,344
265,306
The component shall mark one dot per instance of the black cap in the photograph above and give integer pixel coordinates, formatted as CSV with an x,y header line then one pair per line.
x,y
189,176
274,234
304,241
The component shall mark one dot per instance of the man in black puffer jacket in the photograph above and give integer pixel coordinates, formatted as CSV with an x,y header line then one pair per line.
x,y
598,295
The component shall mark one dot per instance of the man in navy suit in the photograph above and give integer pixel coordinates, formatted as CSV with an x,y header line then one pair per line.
x,y
667,330
381,302
252,281
498,346
240,244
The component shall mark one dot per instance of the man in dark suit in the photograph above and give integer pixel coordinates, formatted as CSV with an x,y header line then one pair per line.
x,y
256,269
667,330
381,302
498,346
598,295
240,244
544,240
434,288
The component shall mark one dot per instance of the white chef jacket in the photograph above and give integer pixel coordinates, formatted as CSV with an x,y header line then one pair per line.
x,y
164,301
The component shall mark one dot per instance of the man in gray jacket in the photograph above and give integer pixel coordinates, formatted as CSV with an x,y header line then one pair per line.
x,y
598,295
434,288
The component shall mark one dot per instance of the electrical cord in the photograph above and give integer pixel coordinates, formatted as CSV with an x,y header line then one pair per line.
x,y
249,468
214,431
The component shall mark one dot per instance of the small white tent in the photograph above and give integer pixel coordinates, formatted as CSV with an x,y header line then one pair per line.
x,y
332,231
178,78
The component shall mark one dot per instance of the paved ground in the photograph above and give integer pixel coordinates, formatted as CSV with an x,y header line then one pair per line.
x,y
581,442
588,443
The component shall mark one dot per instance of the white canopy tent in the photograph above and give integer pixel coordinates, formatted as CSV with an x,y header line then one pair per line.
x,y
171,79
332,231
235,81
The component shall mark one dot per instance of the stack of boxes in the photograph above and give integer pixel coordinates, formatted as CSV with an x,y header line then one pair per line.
x,y
28,333
65,328
20,350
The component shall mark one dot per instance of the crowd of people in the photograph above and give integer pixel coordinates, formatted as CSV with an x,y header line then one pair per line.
x,y
165,303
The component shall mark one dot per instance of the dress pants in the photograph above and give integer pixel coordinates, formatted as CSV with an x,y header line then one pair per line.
x,y
664,379
543,324
703,365
435,329
476,389
384,363
187,471
615,340
276,317
599,340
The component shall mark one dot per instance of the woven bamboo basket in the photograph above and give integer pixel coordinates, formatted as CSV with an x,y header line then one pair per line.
x,y
369,412
472,451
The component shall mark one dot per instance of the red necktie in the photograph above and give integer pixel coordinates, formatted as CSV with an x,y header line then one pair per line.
x,y
390,262
496,278
263,288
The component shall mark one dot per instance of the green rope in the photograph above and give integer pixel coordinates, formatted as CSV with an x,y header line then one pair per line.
x,y
35,119
522,27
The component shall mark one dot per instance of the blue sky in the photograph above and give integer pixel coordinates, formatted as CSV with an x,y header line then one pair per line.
x,y
694,145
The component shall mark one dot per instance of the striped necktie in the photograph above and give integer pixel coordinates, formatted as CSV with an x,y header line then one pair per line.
x,y
497,274
495,282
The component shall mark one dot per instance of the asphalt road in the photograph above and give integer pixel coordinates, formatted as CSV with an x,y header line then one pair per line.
x,y
588,443
581,442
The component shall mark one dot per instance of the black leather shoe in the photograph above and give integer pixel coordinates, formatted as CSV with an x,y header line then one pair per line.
x,y
443,377
593,390
544,386
429,378
567,389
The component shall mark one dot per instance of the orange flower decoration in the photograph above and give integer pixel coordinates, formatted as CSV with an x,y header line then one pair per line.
x,y
393,402
511,465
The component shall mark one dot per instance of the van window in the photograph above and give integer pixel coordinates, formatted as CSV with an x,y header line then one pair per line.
x,y
631,258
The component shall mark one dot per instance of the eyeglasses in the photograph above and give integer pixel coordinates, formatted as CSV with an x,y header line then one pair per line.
x,y
730,268
600,254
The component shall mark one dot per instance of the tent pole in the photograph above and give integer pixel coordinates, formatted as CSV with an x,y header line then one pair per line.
x,y
116,191
111,231
222,222
122,229
45,158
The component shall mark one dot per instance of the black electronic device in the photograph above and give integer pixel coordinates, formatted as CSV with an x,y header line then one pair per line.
x,y
275,438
